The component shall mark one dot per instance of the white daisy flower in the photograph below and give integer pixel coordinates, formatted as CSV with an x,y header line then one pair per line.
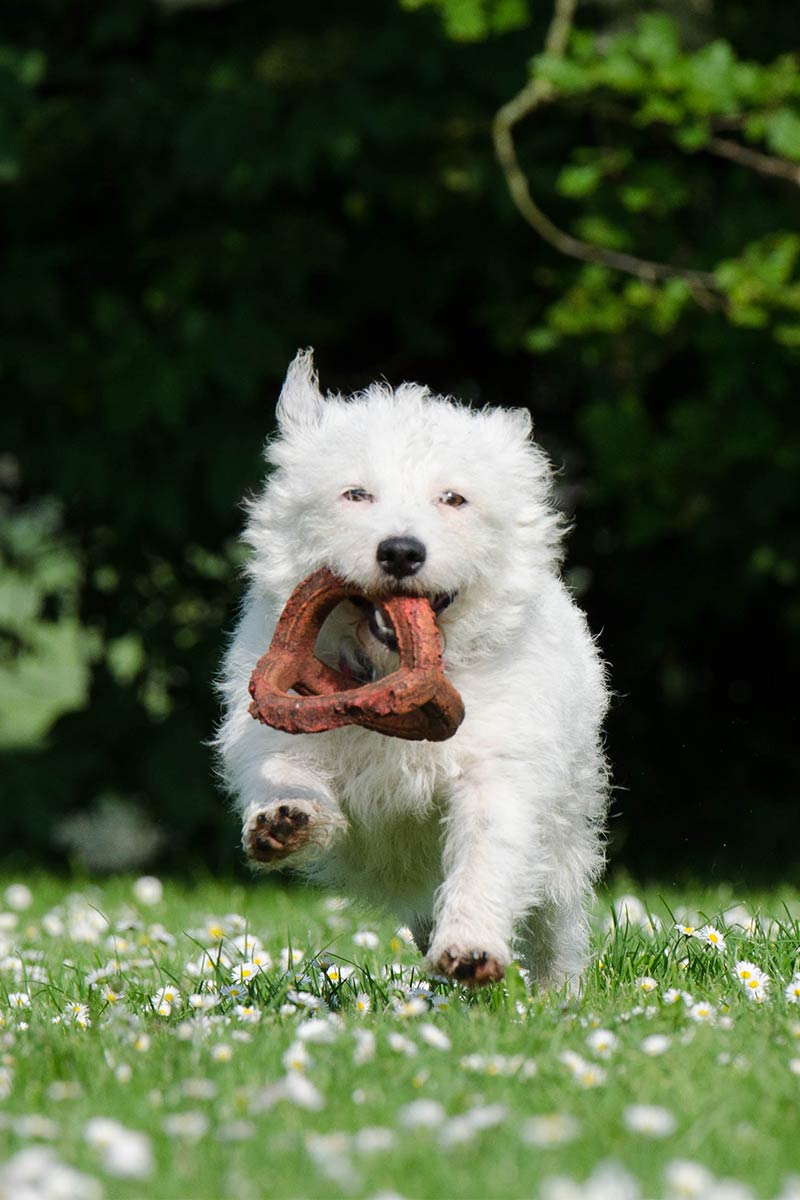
x,y
646,983
190,1125
551,1129
148,890
124,1152
363,1003
167,995
649,1119
247,1013
402,1045
317,1031
655,1044
286,954
18,896
366,938
688,1180
422,1114
296,1057
433,1036
703,1012
745,971
365,1047
299,1090
602,1042
77,1013
19,1000
373,1139
245,972
222,1052
711,936
792,991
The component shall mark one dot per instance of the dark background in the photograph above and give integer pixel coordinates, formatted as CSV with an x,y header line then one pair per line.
x,y
190,193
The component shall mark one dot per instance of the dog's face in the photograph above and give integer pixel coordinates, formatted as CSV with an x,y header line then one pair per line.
x,y
396,490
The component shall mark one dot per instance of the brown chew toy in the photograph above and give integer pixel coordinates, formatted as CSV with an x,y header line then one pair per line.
x,y
416,701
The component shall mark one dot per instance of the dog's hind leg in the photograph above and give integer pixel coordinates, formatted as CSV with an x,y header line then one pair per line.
x,y
554,945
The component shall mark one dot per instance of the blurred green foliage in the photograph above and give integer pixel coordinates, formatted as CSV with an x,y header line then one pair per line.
x,y
189,193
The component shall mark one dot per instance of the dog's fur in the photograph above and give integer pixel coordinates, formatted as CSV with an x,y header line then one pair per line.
x,y
485,844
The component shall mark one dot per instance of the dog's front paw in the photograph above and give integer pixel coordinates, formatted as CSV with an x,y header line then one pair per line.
x,y
272,834
472,967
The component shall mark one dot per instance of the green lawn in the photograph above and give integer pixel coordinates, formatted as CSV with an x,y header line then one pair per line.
x,y
309,1084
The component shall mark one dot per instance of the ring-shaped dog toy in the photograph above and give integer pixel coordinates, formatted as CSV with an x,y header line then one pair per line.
x,y
294,691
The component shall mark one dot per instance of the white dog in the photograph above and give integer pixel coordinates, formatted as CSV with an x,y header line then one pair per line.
x,y
485,844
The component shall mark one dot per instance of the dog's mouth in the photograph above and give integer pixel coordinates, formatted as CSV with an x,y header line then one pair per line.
x,y
381,629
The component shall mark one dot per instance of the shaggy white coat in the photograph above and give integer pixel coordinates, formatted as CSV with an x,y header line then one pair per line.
x,y
487,843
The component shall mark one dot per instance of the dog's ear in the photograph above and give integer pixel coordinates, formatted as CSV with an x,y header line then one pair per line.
x,y
300,402
518,421
521,420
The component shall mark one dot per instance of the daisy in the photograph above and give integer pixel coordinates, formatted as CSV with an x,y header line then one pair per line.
x,y
296,1058
18,896
290,957
222,1053
646,983
753,980
363,1003
245,972
688,1180
792,991
148,890
745,971
602,1042
414,1006
247,1013
402,1045
685,930
671,995
552,1129
433,1036
248,945
191,1125
365,1047
649,1119
703,1012
77,1014
234,991
655,1044
19,999
366,938
166,996
422,1114
711,936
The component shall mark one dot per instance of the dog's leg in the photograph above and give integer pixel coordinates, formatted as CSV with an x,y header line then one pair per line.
x,y
489,875
554,945
289,816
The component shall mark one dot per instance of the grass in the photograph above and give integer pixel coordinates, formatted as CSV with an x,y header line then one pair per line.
x,y
426,1094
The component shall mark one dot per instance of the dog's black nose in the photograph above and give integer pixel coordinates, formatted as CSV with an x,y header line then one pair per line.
x,y
401,556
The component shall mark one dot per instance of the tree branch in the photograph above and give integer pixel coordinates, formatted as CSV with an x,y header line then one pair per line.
x,y
765,164
532,96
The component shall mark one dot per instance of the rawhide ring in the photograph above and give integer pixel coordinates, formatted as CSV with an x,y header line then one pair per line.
x,y
416,701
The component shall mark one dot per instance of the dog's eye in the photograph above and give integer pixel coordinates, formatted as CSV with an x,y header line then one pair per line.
x,y
452,499
358,495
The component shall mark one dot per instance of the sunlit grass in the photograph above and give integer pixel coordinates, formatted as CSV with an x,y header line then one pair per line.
x,y
263,1040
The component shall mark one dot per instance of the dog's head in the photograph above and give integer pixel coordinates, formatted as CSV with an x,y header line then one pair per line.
x,y
399,490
